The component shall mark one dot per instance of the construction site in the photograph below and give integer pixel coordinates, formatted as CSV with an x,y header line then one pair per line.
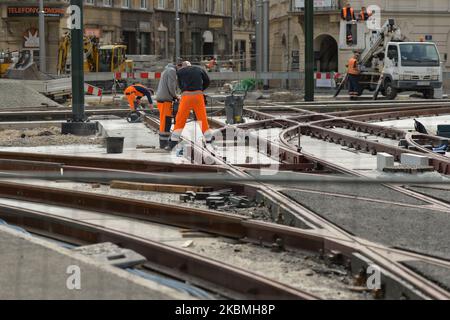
x,y
298,188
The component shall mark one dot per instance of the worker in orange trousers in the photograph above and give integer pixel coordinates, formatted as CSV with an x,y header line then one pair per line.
x,y
192,81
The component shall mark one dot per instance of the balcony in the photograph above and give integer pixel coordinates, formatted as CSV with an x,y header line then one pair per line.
x,y
321,7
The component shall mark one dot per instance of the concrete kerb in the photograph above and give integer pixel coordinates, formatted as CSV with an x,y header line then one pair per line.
x,y
154,289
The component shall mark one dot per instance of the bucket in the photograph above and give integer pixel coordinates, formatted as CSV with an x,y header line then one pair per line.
x,y
234,106
114,144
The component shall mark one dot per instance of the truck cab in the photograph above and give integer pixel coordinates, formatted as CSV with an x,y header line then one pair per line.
x,y
411,66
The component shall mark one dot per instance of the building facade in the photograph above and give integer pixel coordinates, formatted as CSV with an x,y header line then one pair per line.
x,y
417,20
244,40
147,27
205,29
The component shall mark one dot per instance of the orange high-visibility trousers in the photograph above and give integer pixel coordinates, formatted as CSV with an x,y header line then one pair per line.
x,y
165,116
192,100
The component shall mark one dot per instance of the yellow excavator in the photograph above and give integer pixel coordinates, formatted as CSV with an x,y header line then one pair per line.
x,y
5,62
108,58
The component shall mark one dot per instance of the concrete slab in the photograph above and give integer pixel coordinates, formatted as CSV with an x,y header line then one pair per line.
x,y
339,155
368,137
134,133
430,123
414,160
384,160
32,268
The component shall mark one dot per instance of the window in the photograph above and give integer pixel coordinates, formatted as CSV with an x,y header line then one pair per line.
x,y
195,5
419,55
207,6
220,7
125,3
161,4
107,3
90,2
143,4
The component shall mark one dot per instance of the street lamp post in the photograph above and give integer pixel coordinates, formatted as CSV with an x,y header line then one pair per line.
x,y
309,50
42,53
177,31
77,64
265,51
78,125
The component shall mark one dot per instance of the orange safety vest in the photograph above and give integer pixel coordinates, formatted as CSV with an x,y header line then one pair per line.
x,y
353,67
132,90
344,13
363,15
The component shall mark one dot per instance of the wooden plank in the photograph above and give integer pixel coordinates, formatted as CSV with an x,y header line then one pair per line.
x,y
157,187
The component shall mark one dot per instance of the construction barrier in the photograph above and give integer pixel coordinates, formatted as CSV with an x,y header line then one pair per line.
x,y
140,75
91,90
326,79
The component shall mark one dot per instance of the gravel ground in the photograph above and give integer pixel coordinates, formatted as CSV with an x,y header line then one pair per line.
x,y
299,270
360,190
50,136
417,229
14,94
439,275
439,192
258,213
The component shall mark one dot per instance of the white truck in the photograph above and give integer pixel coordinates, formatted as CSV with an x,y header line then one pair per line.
x,y
389,63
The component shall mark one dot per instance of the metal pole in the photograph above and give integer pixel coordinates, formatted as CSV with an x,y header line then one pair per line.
x,y
259,40
177,31
78,66
266,44
42,53
309,50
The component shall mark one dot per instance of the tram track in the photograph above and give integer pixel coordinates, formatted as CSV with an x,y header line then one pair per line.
x,y
319,235
304,213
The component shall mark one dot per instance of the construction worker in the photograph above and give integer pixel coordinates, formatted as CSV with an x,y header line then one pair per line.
x,y
192,81
166,95
348,14
353,75
364,14
135,93
212,64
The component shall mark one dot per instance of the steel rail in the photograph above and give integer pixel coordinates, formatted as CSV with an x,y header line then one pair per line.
x,y
226,279
56,114
373,102
109,163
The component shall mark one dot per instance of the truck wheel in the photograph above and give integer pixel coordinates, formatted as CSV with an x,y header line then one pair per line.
x,y
390,90
428,94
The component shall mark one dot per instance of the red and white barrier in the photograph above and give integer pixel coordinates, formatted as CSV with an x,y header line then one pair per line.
x,y
91,90
326,79
141,75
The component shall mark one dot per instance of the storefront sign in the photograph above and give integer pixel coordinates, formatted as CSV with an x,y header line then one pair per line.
x,y
317,3
34,12
145,26
31,38
216,23
93,32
